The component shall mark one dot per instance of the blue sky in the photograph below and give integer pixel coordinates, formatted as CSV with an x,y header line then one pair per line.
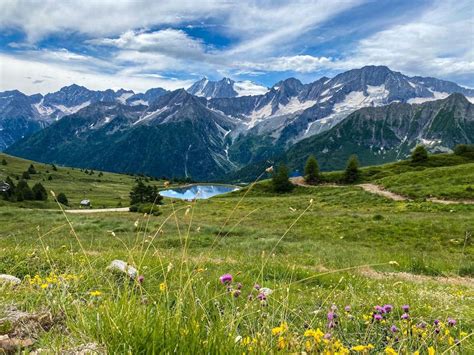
x,y
45,45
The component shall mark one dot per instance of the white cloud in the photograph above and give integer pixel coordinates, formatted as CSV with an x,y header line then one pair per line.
x,y
21,74
297,63
438,43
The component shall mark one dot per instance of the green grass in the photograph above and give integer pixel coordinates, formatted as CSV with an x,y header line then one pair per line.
x,y
310,254
109,190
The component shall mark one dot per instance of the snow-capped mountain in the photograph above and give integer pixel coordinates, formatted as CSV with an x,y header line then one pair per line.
x,y
225,88
203,136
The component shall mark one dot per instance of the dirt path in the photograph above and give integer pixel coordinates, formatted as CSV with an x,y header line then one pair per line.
x,y
375,189
99,210
378,190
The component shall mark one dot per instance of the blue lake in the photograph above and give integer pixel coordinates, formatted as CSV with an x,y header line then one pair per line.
x,y
197,191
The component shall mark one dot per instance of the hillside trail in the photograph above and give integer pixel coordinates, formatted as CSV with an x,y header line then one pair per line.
x,y
378,190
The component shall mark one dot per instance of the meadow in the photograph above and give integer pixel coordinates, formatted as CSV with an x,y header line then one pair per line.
x,y
349,272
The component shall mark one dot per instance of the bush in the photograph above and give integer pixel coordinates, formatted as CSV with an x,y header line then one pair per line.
x,y
466,150
25,175
311,170
148,208
50,178
142,193
352,172
62,199
419,154
4,162
39,192
54,167
280,180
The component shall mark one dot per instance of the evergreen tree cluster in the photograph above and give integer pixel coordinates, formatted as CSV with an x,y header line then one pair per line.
x,y
23,192
280,181
142,193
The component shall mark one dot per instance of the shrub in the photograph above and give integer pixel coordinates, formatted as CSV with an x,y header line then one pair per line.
x,y
62,199
311,170
25,175
419,154
148,208
39,192
54,167
352,172
280,180
50,178
4,162
466,150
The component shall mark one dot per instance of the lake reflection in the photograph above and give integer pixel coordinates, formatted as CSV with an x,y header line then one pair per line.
x,y
197,191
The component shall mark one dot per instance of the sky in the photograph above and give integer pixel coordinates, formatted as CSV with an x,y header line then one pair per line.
x,y
45,45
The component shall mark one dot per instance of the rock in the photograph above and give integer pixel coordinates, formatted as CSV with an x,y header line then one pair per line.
x,y
4,278
13,345
123,267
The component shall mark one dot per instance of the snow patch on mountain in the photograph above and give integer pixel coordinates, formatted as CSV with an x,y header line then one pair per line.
x,y
123,98
436,96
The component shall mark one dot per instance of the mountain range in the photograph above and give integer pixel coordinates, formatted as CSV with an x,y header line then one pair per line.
x,y
215,128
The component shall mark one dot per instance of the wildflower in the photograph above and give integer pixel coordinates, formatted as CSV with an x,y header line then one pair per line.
x,y
393,329
225,279
315,334
141,278
390,351
44,286
163,287
378,317
95,293
379,309
256,286
393,263
436,322
332,316
406,308
281,329
431,351
239,286
362,348
236,293
281,343
261,297
347,309
327,336
405,316
437,330
451,322
388,308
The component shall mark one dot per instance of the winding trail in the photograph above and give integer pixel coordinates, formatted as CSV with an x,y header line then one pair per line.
x,y
378,190
99,210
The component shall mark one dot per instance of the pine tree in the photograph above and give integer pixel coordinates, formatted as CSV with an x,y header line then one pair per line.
x,y
62,199
280,180
39,192
31,169
23,191
25,175
419,154
142,193
352,172
311,170
4,162
9,195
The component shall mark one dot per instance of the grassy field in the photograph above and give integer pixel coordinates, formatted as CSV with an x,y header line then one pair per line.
x,y
108,190
319,249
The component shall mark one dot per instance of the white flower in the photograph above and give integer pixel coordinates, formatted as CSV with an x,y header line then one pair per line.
x,y
266,291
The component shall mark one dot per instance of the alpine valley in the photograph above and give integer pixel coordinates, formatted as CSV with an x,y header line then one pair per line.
x,y
221,130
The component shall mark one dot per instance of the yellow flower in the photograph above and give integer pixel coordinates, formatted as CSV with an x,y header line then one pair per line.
x,y
316,334
416,353
362,348
44,286
281,329
281,343
431,351
163,287
390,351
95,293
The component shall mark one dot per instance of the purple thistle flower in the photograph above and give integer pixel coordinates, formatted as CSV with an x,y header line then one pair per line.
x,y
377,317
331,324
436,322
437,330
405,316
332,316
347,308
379,309
451,322
327,336
239,286
225,279
256,286
421,325
141,278
406,308
250,297
236,293
393,329
261,297
388,308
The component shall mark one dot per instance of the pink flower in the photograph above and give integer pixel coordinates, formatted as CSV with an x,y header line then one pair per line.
x,y
225,279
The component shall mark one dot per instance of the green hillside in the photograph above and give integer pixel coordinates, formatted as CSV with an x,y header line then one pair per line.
x,y
107,190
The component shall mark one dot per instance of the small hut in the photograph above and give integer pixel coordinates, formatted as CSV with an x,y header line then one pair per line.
x,y
85,204
4,187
